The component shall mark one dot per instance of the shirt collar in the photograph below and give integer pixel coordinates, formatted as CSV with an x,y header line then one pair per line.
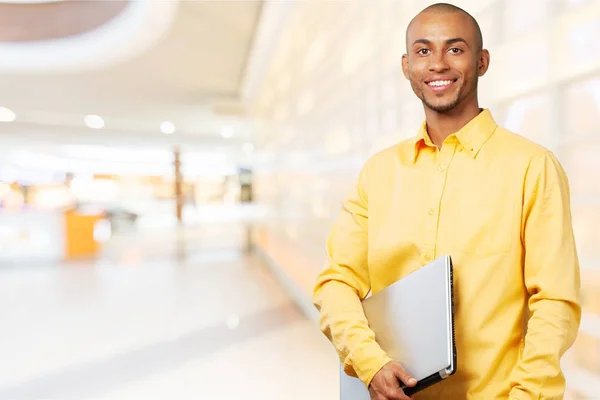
x,y
471,137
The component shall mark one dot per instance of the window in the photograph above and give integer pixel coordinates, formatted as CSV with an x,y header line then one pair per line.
x,y
521,16
582,42
571,4
491,24
581,139
529,117
583,110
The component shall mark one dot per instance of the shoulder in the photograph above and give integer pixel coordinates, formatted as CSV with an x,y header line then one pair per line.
x,y
514,144
536,159
381,163
390,155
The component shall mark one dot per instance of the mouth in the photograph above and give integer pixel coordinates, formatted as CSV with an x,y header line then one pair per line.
x,y
440,85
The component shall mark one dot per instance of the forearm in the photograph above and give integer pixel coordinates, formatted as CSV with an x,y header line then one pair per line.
x,y
343,321
551,276
551,330
342,285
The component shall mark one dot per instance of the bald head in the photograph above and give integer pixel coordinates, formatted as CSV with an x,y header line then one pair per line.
x,y
445,8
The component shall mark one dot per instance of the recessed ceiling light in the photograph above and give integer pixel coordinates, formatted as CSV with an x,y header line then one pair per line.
x,y
248,147
227,131
233,321
94,121
6,115
167,127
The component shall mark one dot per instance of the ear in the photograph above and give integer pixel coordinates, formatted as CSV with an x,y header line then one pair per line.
x,y
405,66
483,63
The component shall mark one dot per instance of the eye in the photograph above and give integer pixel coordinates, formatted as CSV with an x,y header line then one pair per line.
x,y
423,51
455,50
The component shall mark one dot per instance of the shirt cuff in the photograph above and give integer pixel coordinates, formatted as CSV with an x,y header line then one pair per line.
x,y
372,360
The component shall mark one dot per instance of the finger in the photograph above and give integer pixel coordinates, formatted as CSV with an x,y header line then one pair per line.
x,y
403,376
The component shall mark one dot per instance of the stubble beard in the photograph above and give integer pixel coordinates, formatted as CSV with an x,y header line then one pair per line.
x,y
440,108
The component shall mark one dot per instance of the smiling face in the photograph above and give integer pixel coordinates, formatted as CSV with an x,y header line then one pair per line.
x,y
444,60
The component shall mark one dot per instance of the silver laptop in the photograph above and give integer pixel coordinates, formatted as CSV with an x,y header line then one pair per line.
x,y
413,322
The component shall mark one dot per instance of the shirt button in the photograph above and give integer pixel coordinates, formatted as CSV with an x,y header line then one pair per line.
x,y
431,211
441,168
460,148
427,257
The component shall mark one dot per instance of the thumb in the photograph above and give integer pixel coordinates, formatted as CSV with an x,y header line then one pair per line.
x,y
403,376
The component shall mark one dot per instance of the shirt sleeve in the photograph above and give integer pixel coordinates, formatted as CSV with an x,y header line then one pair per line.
x,y
342,285
551,274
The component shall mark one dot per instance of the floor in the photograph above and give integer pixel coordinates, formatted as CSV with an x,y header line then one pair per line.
x,y
169,313
162,315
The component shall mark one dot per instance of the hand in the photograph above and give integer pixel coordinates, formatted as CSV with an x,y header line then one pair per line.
x,y
385,385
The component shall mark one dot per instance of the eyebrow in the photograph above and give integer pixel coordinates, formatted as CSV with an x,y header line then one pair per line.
x,y
448,42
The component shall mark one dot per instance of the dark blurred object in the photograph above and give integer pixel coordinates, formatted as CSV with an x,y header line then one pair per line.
x,y
245,178
119,216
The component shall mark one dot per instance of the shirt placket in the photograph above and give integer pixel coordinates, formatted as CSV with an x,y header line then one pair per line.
x,y
438,183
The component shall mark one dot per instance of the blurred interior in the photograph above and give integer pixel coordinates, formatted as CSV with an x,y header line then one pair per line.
x,y
169,172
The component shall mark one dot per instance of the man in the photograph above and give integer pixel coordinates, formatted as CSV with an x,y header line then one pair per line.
x,y
496,202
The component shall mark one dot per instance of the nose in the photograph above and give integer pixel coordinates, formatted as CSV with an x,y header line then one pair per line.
x,y
438,62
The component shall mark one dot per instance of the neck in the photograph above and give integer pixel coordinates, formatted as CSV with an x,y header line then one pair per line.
x,y
440,125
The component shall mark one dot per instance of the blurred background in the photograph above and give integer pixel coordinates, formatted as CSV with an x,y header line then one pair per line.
x,y
169,172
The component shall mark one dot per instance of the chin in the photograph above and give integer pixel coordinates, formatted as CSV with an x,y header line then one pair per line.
x,y
441,108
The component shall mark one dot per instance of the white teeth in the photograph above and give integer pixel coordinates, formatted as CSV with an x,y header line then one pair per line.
x,y
439,83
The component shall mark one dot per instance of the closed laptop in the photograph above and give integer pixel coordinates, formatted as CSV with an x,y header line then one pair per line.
x,y
413,322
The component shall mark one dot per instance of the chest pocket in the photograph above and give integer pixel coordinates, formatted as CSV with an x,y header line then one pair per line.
x,y
482,228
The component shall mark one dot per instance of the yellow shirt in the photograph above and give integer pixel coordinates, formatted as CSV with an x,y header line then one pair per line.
x,y
499,206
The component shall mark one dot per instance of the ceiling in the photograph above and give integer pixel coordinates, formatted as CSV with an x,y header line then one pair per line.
x,y
20,22
133,63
